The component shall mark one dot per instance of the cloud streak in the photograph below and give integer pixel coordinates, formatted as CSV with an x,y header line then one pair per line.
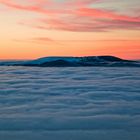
x,y
37,40
77,16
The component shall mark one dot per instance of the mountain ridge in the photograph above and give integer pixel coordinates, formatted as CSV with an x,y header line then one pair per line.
x,y
62,61
67,61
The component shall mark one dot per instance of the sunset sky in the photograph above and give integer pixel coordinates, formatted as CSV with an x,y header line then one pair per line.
x,y
38,28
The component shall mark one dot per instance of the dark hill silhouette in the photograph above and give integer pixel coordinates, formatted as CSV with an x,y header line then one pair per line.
x,y
81,61
105,61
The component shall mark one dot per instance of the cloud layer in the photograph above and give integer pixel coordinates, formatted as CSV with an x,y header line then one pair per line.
x,y
80,16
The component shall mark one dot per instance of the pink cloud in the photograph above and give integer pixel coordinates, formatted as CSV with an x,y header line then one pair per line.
x,y
74,16
80,3
35,7
98,13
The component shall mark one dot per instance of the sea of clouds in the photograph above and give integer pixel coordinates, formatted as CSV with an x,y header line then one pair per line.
x,y
82,103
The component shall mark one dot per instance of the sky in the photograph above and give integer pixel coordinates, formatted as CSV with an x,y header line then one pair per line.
x,y
36,28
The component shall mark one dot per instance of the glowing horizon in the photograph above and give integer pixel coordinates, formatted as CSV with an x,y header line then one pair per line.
x,y
37,28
